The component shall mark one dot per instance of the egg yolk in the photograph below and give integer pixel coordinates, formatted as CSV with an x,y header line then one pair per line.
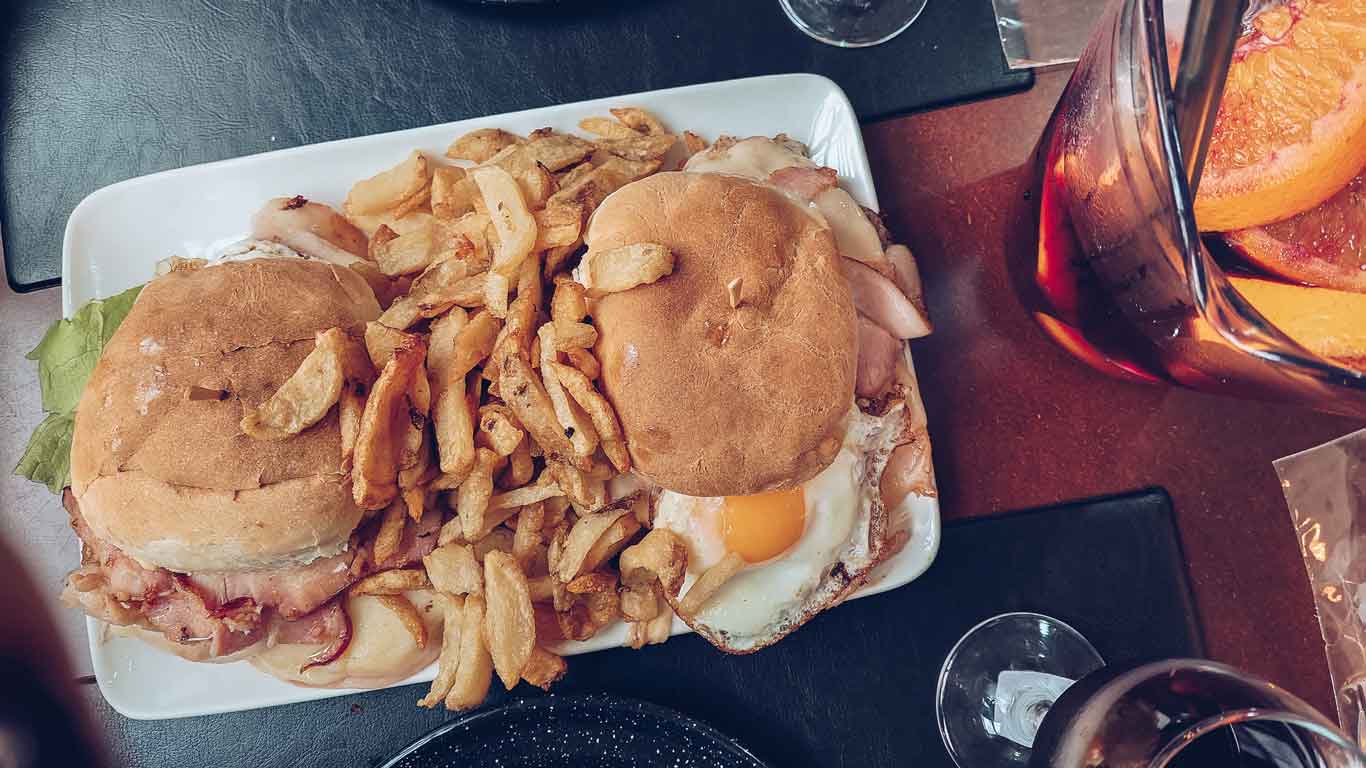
x,y
763,525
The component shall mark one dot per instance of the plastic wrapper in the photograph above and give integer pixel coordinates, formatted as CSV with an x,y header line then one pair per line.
x,y
1325,488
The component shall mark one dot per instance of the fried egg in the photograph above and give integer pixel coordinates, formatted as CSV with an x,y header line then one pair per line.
x,y
804,548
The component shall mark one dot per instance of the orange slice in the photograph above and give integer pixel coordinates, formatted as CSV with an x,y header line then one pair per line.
x,y
1325,245
1291,129
1327,322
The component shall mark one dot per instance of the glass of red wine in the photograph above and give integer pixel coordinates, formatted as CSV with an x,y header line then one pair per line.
x,y
1024,689
853,23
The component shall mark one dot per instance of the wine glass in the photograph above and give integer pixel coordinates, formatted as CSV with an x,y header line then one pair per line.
x,y
1023,689
853,23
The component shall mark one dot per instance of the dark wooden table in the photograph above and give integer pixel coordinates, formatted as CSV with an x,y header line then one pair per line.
x,y
1017,422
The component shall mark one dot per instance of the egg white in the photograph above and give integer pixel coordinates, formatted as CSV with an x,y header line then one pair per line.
x,y
766,600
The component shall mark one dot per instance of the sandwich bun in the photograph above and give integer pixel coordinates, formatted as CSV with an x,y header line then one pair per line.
x,y
173,481
715,399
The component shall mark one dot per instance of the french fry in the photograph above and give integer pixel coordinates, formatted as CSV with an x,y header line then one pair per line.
x,y
661,557
612,541
452,194
589,583
542,587
454,427
574,336
607,128
407,613
526,395
583,492
512,220
520,467
557,257
480,145
583,360
497,540
496,288
350,406
498,423
577,428
527,537
474,671
414,502
624,268
537,184
381,341
575,173
544,668
557,151
453,568
604,419
509,621
473,496
388,189
708,583
411,252
651,632
307,395
441,341
390,532
473,343
558,225
375,466
639,148
638,120
433,292
393,582
545,488
451,609
640,603
569,303
581,538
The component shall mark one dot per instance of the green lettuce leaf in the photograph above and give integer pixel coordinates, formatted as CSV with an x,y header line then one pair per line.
x,y
47,459
66,357
70,348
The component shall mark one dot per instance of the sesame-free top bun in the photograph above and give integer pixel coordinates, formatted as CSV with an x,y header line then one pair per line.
x,y
715,400
174,481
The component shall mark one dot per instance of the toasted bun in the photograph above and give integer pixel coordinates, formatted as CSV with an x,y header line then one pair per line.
x,y
715,400
173,481
381,652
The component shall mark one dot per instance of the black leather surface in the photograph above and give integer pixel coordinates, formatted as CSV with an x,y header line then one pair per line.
x,y
853,688
96,91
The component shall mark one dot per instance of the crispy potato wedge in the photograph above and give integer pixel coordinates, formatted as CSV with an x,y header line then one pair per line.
x,y
307,395
390,531
708,583
612,541
639,148
582,536
692,143
452,193
661,557
607,128
389,189
451,609
473,496
509,622
544,668
453,568
558,225
639,120
511,217
474,672
525,394
577,427
407,613
478,146
624,268
394,582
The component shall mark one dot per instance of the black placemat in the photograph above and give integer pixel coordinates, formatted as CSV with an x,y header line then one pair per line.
x,y
854,688
96,91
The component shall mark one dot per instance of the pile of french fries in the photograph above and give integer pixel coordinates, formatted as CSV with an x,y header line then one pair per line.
x,y
474,397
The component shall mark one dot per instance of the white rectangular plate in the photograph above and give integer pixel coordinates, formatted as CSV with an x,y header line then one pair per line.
x,y
116,235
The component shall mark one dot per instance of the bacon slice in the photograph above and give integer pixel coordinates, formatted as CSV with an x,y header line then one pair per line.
x,y
883,302
878,352
329,624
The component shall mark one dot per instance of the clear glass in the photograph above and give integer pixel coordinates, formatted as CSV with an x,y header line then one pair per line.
x,y
1000,680
853,23
1028,690
1118,274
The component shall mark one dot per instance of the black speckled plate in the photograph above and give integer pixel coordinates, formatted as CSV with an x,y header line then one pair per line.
x,y
591,730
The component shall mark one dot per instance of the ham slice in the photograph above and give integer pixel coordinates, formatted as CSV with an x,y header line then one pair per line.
x,y
329,624
312,229
883,302
878,354
292,591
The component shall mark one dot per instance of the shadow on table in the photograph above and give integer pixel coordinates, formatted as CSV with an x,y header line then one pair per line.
x,y
551,10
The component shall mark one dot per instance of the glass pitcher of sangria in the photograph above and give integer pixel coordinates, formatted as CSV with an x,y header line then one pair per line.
x,y
1270,302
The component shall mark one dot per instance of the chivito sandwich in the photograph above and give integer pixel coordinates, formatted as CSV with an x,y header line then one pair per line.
x,y
212,543
763,386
